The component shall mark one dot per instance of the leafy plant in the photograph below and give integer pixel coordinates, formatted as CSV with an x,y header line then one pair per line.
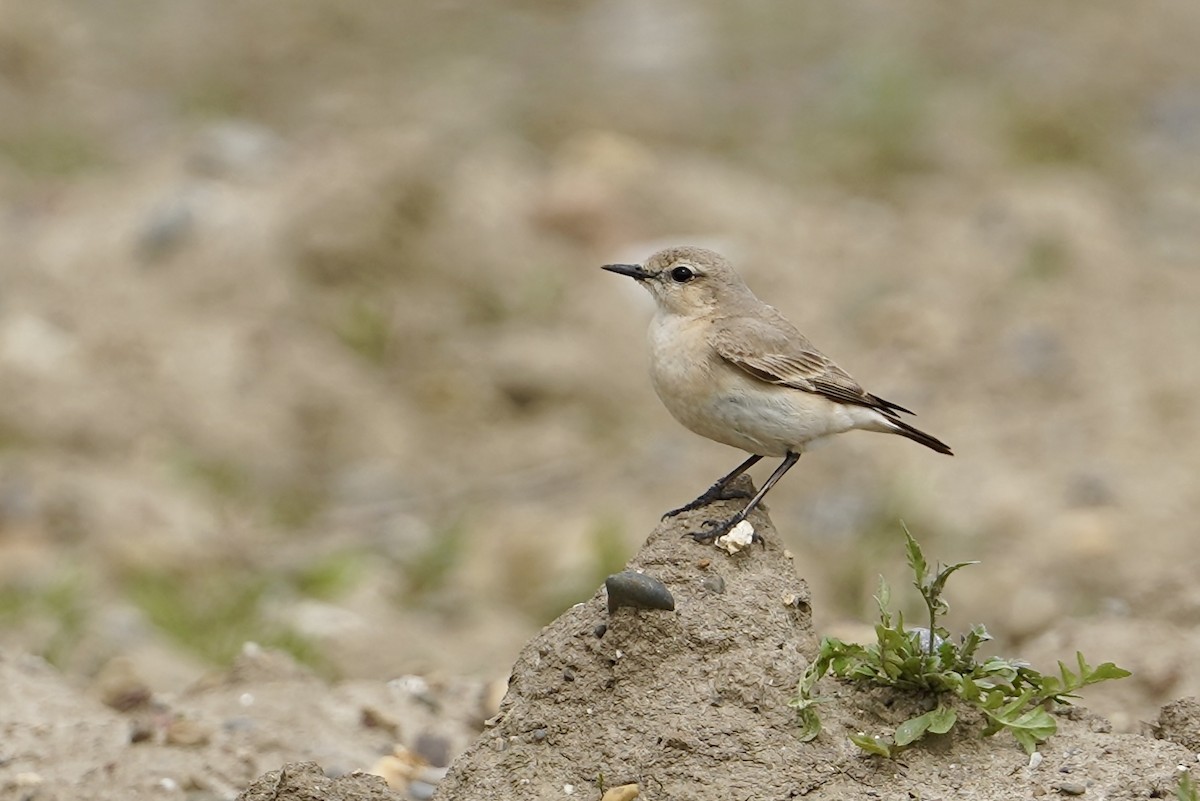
x,y
1186,789
1011,695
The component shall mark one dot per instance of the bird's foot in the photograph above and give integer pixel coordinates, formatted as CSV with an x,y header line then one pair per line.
x,y
713,530
711,495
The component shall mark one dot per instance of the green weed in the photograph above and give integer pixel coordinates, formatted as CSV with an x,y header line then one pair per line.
x,y
62,600
213,614
428,568
1010,694
331,576
1186,790
365,329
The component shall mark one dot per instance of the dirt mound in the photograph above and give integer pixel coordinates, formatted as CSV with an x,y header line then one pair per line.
x,y
693,703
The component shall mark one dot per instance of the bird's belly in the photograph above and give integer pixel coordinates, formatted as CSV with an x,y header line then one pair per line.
x,y
758,418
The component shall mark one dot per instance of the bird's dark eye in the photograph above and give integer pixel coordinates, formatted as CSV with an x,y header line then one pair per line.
x,y
681,275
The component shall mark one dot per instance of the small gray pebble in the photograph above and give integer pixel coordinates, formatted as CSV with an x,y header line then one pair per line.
x,y
433,748
431,775
637,590
714,584
600,630
1070,788
568,675
420,791
539,735
140,732
923,635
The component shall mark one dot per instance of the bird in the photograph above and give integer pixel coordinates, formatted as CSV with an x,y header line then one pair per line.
x,y
731,368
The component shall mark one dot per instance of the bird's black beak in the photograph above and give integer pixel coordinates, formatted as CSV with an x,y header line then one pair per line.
x,y
632,270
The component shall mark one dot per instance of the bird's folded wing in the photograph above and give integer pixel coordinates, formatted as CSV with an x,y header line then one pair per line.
x,y
774,351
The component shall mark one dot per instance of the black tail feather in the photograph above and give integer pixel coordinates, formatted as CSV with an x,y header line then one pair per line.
x,y
887,407
917,435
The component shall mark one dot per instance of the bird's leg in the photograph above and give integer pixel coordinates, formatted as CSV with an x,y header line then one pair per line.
x,y
715,531
717,492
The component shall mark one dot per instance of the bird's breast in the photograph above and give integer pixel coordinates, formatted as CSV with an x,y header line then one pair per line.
x,y
706,394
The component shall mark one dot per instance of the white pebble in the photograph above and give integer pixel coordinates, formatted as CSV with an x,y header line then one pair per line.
x,y
740,538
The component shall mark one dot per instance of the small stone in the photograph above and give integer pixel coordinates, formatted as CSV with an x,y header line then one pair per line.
x,y
600,630
1070,788
239,724
28,779
416,688
739,539
924,635
637,590
421,791
433,748
398,768
120,687
371,718
714,584
626,792
234,148
186,733
141,731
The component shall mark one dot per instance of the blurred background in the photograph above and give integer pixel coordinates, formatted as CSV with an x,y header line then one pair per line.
x,y
303,338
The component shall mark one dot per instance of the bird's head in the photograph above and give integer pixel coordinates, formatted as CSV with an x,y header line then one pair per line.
x,y
688,281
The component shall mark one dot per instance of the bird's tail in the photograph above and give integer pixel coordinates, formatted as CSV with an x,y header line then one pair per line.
x,y
917,435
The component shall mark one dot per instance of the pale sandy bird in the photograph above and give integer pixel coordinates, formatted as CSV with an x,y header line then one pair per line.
x,y
731,368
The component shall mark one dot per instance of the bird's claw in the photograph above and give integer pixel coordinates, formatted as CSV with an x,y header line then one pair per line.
x,y
711,496
715,530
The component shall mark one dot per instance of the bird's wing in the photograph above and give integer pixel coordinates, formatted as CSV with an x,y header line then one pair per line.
x,y
770,348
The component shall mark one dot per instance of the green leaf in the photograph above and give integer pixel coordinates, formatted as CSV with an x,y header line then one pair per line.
x,y
1107,671
942,719
810,723
1069,679
1186,790
1030,728
913,729
971,642
872,745
916,559
884,600
939,583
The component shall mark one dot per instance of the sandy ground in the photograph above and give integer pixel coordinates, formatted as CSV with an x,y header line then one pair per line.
x,y
689,699
303,339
